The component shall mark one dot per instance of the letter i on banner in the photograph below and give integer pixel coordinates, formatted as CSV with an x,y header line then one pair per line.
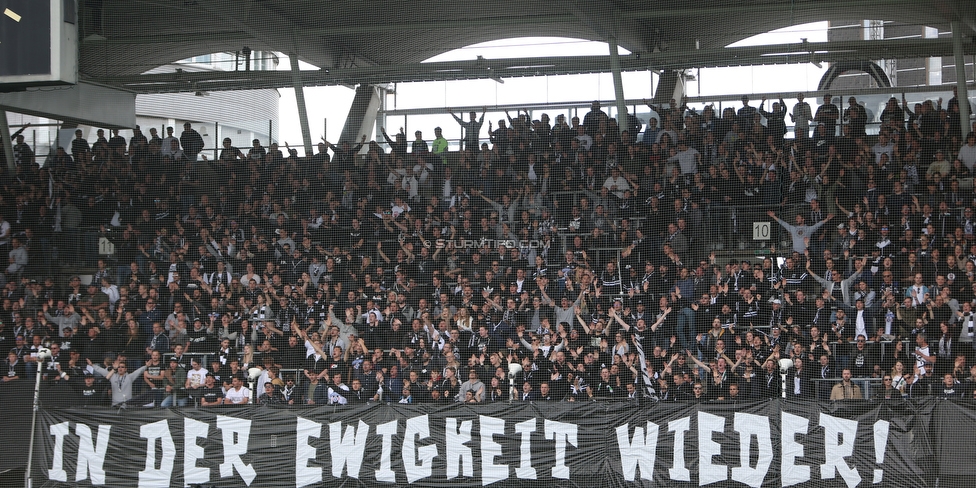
x,y
304,452
563,433
386,432
525,470
678,471
881,428
57,472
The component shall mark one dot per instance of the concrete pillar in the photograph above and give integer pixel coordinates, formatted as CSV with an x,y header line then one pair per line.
x,y
362,114
671,84
961,91
380,122
300,101
618,86
8,148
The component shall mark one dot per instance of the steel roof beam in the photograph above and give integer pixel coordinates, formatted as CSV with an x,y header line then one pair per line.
x,y
521,67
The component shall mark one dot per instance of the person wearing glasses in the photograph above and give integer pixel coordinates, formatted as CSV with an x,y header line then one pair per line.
x,y
837,287
863,357
887,391
698,393
121,381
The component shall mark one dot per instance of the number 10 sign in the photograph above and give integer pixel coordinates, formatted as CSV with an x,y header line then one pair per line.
x,y
760,231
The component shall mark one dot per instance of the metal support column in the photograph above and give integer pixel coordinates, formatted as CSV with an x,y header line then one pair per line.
x,y
300,100
618,86
961,92
380,122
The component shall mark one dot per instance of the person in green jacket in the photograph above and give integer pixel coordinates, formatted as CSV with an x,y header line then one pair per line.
x,y
440,145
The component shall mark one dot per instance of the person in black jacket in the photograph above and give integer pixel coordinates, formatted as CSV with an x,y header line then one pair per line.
x,y
775,121
950,388
271,395
681,390
798,383
91,393
192,142
15,368
771,385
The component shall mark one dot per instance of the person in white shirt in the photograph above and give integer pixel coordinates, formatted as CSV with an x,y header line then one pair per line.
x,y
967,153
924,360
584,139
338,390
616,184
17,257
860,318
4,233
883,146
249,275
166,148
688,158
237,394
802,116
175,153
196,377
411,183
111,291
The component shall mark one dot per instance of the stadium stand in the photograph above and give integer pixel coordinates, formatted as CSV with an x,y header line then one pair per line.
x,y
583,256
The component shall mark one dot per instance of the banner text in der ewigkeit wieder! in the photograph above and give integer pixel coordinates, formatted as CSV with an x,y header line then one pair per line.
x,y
774,443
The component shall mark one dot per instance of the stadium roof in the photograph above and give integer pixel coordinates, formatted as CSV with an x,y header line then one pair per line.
x,y
385,41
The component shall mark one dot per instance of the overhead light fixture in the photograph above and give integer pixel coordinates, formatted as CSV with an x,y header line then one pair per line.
x,y
482,63
813,59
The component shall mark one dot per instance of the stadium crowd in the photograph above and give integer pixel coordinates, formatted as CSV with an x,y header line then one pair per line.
x,y
568,258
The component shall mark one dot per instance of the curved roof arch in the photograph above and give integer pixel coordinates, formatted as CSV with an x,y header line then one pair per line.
x,y
530,47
